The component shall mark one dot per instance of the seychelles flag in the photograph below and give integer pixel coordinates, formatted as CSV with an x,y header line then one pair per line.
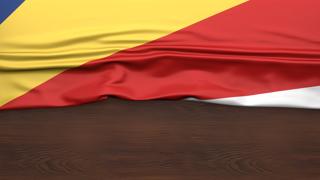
x,y
237,52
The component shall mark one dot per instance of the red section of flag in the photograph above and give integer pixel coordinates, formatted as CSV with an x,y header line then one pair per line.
x,y
261,46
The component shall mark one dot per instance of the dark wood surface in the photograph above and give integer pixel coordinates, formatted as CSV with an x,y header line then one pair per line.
x,y
159,140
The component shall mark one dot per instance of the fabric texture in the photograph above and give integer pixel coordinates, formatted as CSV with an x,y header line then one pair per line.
x,y
208,50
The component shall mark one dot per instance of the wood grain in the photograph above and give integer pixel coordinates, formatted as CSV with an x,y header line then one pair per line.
x,y
159,140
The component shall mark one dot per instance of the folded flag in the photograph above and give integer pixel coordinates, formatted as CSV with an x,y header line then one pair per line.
x,y
237,52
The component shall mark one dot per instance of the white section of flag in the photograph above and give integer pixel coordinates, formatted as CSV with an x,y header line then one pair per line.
x,y
295,98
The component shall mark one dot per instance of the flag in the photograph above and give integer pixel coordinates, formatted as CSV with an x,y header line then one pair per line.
x,y
237,52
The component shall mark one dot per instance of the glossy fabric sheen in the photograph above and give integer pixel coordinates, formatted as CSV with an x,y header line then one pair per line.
x,y
46,37
258,47
295,98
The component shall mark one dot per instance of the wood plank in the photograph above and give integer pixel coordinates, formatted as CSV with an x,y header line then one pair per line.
x,y
159,140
